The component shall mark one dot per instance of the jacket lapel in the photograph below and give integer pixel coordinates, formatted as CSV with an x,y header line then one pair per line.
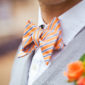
x,y
72,52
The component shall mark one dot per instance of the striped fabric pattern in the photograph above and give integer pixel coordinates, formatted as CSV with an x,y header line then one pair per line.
x,y
48,39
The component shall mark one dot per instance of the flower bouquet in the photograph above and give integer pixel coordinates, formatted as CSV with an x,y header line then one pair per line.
x,y
76,72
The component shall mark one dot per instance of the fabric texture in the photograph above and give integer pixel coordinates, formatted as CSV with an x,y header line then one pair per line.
x,y
48,39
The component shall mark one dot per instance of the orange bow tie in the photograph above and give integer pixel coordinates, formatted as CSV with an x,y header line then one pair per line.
x,y
48,39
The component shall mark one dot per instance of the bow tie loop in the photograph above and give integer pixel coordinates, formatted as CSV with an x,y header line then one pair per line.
x,y
29,38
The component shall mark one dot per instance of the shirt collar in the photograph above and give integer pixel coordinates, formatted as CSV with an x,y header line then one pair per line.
x,y
40,20
72,21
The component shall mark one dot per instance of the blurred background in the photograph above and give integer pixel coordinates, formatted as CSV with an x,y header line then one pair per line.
x,y
13,16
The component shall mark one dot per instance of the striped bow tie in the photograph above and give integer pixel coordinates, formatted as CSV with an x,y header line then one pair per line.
x,y
48,39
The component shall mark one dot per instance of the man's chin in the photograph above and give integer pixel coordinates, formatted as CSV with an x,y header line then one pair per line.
x,y
52,2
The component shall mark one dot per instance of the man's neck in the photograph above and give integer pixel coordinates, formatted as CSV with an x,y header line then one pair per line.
x,y
50,11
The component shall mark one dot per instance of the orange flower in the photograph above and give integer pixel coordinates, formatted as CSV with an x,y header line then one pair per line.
x,y
75,70
81,81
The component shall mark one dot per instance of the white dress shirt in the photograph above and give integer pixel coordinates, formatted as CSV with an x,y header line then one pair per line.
x,y
72,22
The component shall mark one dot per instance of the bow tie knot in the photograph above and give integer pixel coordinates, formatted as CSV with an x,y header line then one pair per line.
x,y
37,36
48,39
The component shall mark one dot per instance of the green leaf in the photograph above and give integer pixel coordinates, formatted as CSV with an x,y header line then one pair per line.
x,y
82,58
69,81
84,74
75,83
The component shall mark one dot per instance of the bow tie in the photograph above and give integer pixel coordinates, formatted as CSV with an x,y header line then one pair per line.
x,y
47,39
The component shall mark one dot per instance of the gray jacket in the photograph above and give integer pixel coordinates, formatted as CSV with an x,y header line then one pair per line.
x,y
54,74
